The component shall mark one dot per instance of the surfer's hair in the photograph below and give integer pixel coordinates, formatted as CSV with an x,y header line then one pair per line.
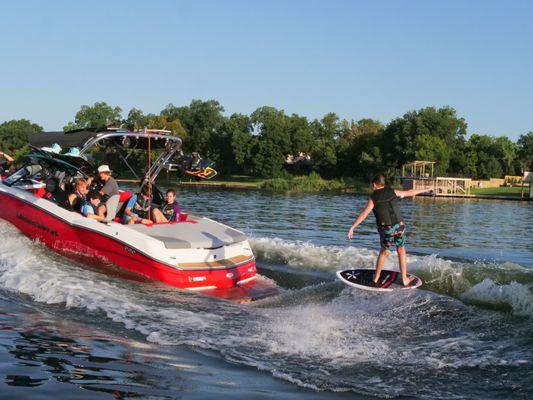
x,y
378,180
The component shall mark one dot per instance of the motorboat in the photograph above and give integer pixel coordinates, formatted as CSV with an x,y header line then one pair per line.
x,y
194,253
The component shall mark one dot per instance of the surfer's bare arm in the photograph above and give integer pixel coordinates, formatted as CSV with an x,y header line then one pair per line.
x,y
361,217
412,192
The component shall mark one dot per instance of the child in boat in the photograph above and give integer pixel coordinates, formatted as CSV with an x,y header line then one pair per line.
x,y
141,210
89,207
171,209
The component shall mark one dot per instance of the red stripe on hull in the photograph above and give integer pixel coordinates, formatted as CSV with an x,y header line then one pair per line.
x,y
64,237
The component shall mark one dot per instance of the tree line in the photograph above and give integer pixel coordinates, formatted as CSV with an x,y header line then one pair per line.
x,y
257,144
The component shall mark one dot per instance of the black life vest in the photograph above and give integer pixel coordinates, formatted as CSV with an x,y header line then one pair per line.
x,y
386,207
168,211
79,202
142,207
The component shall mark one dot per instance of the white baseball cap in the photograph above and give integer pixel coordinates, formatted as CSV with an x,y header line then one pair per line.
x,y
103,168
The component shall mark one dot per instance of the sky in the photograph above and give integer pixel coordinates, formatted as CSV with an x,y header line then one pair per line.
x,y
359,59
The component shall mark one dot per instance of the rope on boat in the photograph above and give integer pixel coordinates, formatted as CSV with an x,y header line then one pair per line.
x,y
147,131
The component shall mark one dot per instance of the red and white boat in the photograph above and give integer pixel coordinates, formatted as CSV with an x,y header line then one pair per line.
x,y
195,253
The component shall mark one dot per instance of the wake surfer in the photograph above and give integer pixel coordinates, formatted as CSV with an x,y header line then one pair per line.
x,y
391,228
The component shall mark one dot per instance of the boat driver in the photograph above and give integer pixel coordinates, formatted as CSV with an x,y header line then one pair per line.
x,y
110,193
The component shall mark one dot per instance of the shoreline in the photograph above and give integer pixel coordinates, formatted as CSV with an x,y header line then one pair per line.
x,y
233,186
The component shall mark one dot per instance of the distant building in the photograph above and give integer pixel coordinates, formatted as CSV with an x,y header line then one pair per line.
x,y
299,164
419,175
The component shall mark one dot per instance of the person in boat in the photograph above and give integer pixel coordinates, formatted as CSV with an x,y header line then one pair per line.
x,y
54,191
109,193
140,209
79,197
90,205
171,209
384,204
6,164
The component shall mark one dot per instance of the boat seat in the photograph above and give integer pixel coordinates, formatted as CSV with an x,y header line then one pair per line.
x,y
195,233
121,207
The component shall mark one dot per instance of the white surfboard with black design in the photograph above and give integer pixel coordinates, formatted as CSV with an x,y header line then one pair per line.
x,y
388,280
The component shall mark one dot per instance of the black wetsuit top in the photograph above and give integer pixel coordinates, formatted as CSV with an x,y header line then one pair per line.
x,y
79,202
141,207
386,207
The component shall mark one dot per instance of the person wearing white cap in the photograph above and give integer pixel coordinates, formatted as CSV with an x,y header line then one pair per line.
x,y
110,193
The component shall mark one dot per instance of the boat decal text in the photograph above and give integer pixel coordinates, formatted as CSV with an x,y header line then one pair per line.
x,y
37,224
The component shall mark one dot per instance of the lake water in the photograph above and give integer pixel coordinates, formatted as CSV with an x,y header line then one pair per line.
x,y
72,332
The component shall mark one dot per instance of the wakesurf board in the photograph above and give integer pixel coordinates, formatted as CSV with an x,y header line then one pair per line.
x,y
388,280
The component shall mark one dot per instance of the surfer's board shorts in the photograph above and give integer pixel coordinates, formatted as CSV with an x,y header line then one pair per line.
x,y
392,236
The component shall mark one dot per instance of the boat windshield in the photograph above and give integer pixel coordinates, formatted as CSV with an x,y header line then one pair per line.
x,y
41,165
25,175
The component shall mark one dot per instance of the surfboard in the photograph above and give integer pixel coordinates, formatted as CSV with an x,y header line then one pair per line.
x,y
388,280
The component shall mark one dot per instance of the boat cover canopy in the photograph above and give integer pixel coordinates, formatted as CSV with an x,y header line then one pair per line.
x,y
64,139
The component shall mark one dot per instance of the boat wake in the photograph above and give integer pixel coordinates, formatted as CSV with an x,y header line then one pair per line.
x,y
504,286
424,343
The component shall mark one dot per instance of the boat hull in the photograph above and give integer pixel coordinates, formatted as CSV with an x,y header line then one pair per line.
x,y
64,237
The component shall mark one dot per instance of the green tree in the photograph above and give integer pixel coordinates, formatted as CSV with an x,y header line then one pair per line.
x,y
525,151
242,142
268,160
430,147
488,155
161,122
463,161
14,136
301,134
324,154
202,120
273,140
401,136
490,168
505,151
135,120
358,148
99,115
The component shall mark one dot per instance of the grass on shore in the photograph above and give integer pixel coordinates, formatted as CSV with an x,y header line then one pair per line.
x,y
499,191
236,180
306,183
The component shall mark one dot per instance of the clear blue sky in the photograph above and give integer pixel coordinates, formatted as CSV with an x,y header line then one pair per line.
x,y
374,59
